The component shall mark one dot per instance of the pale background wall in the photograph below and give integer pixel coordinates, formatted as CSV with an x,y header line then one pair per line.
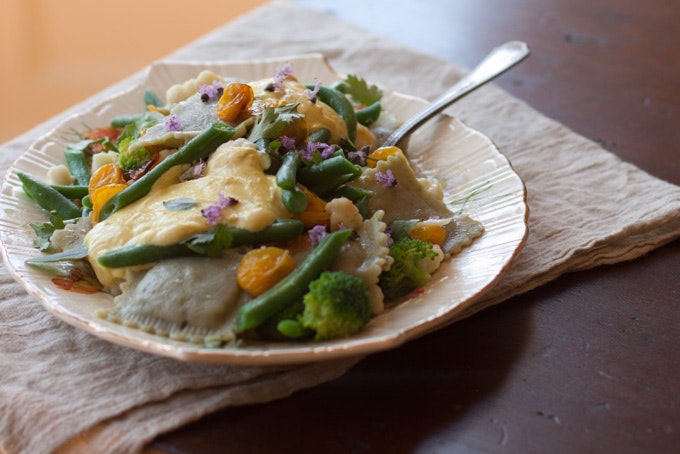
x,y
55,53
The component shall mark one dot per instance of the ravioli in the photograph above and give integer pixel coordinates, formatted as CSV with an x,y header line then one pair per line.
x,y
196,116
410,198
188,299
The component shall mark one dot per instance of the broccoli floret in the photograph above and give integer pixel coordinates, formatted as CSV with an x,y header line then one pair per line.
x,y
337,305
408,271
130,160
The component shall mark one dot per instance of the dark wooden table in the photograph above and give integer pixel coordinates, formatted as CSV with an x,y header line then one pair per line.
x,y
588,363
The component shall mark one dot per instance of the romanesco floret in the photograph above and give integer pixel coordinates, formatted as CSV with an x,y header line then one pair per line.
x,y
129,160
409,269
336,306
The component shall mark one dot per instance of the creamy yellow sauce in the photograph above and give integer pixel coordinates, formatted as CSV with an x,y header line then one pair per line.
x,y
235,169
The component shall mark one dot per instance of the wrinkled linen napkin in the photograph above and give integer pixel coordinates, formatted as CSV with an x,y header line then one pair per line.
x,y
64,390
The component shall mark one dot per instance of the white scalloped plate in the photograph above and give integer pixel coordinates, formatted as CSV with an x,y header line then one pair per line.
x,y
478,179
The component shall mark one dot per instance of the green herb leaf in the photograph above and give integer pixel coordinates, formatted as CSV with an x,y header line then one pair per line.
x,y
272,122
44,231
150,98
180,204
210,243
76,253
361,91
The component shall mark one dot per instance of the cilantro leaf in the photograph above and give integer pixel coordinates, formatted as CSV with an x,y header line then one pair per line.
x,y
361,91
44,230
272,122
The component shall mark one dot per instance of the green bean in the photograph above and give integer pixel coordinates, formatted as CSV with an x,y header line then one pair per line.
x,y
294,286
286,175
352,193
86,201
48,197
326,176
281,230
319,135
197,148
341,105
139,254
369,114
76,161
293,329
360,198
294,200
340,86
71,191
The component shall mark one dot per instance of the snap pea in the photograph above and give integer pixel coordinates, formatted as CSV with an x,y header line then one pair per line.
x,y
139,254
76,161
294,200
71,191
197,148
369,114
48,198
326,176
294,286
341,105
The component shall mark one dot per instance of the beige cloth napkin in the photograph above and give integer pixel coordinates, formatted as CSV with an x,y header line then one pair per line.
x,y
61,389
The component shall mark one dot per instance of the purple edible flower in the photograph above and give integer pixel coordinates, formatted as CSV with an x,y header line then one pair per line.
x,y
288,142
281,74
359,155
317,233
387,179
312,93
211,92
326,151
172,123
194,172
390,241
212,212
